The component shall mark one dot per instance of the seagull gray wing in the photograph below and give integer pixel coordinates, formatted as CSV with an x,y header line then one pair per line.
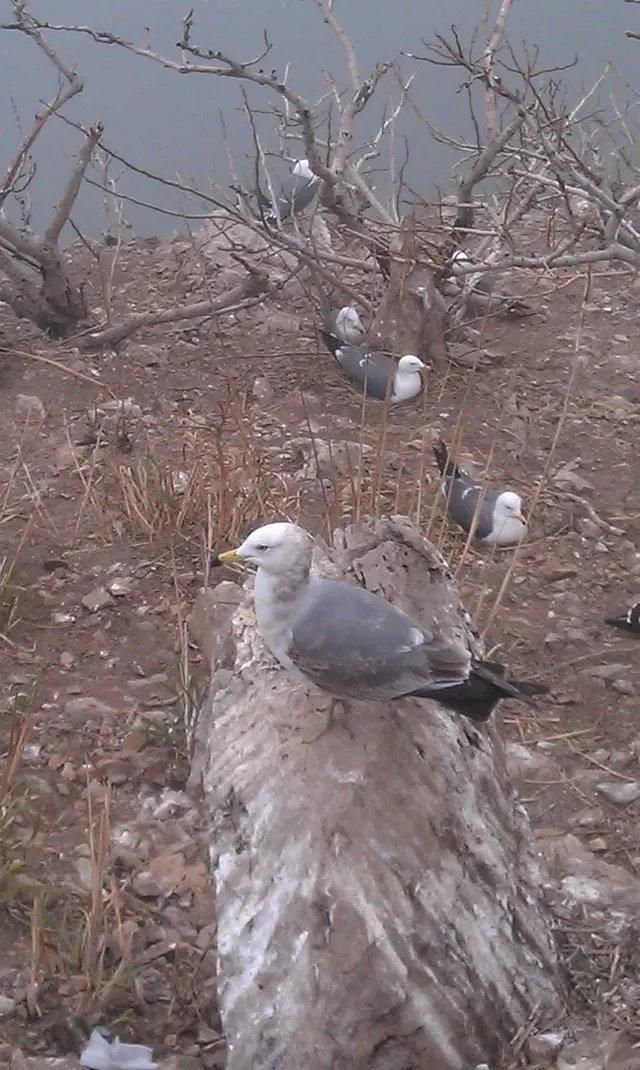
x,y
296,193
355,644
369,371
462,496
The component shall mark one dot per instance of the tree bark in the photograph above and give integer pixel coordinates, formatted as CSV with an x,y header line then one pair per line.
x,y
378,896
412,314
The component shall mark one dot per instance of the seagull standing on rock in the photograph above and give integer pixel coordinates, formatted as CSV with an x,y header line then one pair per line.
x,y
497,515
376,374
356,645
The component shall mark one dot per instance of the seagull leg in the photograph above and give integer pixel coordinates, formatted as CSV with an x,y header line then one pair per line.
x,y
329,719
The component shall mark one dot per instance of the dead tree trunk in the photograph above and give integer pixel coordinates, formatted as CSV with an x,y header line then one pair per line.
x,y
412,314
378,896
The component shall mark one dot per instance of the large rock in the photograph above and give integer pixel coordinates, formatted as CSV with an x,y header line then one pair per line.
x,y
377,892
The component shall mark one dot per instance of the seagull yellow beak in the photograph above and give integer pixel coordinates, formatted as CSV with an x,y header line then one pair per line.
x,y
224,558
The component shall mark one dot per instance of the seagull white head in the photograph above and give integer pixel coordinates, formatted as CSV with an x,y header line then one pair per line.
x,y
508,523
509,504
302,170
409,365
277,548
349,326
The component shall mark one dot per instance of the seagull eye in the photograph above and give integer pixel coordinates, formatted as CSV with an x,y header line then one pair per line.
x,y
262,548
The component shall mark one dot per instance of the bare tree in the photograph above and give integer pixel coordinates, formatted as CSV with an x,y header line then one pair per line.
x,y
33,276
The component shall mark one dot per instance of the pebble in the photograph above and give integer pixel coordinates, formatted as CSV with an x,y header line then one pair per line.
x,y
28,405
544,1046
96,600
87,707
146,886
122,587
7,1006
619,793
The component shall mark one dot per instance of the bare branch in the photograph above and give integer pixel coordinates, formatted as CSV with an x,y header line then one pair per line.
x,y
493,45
74,85
67,202
255,285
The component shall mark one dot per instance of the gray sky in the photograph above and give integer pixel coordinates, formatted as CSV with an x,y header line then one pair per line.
x,y
170,123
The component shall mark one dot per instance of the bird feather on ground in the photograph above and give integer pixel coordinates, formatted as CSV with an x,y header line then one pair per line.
x,y
377,374
354,644
497,515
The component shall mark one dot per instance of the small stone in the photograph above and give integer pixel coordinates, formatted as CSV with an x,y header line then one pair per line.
x,y
608,672
544,1047
623,686
121,588
597,844
120,407
86,707
146,886
67,660
554,571
262,389
619,793
28,406
64,618
96,600
588,528
7,1006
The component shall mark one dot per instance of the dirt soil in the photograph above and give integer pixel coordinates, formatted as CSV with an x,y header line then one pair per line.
x,y
102,528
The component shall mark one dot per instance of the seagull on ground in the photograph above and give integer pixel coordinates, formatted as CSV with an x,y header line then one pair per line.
x,y
377,374
497,514
347,325
354,644
629,621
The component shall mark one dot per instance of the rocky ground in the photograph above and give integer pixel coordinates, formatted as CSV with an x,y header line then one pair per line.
x,y
117,470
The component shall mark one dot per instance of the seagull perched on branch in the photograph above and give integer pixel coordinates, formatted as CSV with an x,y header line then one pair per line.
x,y
497,515
376,374
296,192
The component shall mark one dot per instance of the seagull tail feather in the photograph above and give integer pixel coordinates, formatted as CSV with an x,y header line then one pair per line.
x,y
331,341
628,622
484,688
445,464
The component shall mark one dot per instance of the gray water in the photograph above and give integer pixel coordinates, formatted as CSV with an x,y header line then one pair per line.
x,y
171,123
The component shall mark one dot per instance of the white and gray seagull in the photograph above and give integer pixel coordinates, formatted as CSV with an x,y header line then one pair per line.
x,y
346,325
497,514
371,371
354,644
296,192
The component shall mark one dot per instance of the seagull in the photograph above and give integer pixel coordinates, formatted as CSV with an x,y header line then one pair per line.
x,y
371,372
481,283
302,169
347,325
354,644
296,193
497,514
629,621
